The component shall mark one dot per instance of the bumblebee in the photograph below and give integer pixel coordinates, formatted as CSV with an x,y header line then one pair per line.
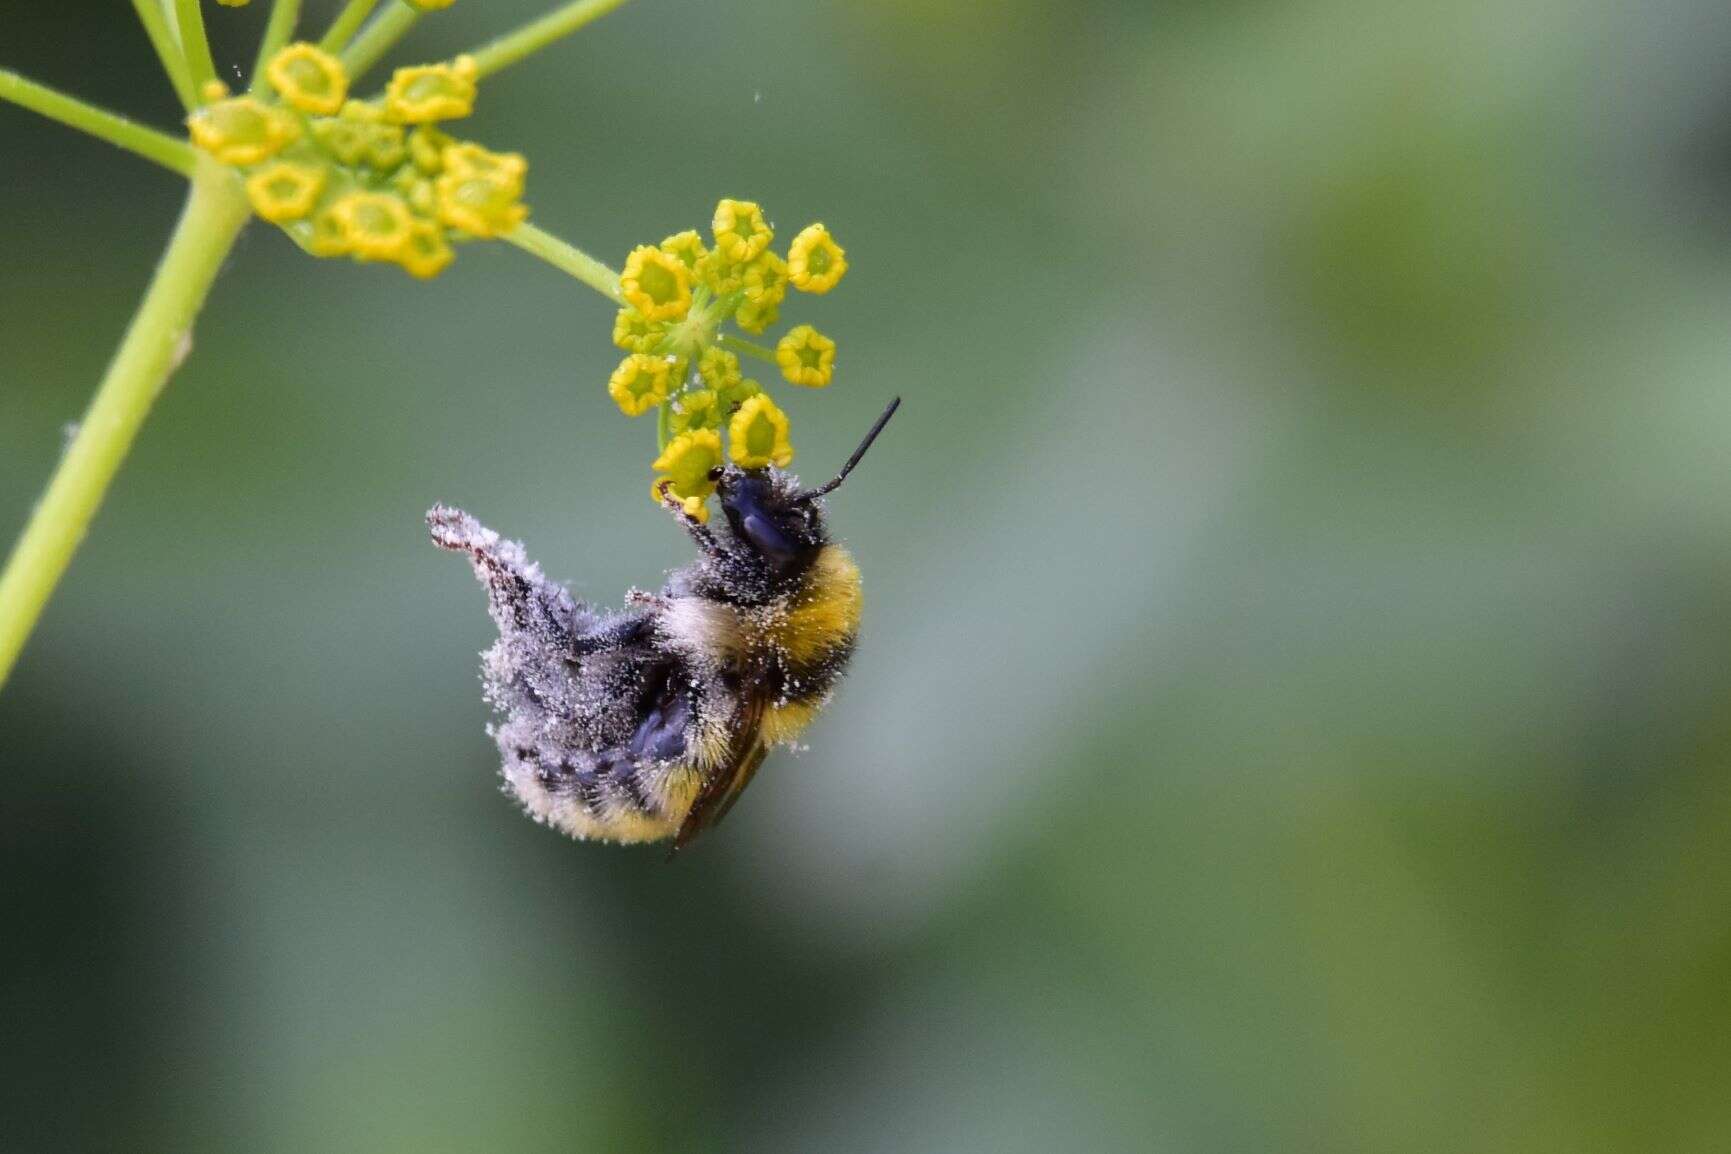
x,y
648,722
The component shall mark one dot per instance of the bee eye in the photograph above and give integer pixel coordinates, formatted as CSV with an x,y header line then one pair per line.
x,y
715,474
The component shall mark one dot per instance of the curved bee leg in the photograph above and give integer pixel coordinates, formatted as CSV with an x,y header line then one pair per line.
x,y
532,669
698,530
519,596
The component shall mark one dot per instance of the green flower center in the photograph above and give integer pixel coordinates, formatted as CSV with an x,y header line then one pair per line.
x,y
424,89
377,219
659,282
743,229
308,76
240,122
760,436
343,139
284,188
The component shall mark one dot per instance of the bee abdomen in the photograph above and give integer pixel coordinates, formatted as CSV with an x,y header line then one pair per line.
x,y
801,691
813,680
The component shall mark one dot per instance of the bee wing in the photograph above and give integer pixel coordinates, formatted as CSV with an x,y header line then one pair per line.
x,y
730,779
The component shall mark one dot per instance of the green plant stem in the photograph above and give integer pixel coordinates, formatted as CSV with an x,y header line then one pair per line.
x,y
378,38
172,154
663,425
193,44
567,258
167,45
156,340
347,23
747,348
277,31
537,34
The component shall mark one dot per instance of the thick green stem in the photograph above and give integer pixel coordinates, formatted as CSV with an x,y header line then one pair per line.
x,y
347,23
568,258
167,45
536,35
378,38
176,155
193,45
277,32
155,342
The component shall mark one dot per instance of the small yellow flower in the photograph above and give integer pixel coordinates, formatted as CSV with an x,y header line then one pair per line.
x,y
418,191
469,159
480,204
757,435
656,284
718,368
344,139
806,357
764,284
697,409
740,233
283,191
427,149
733,398
432,92
329,236
309,79
687,461
386,149
722,276
636,333
688,247
242,130
211,91
426,254
815,262
377,225
640,383
765,280
755,316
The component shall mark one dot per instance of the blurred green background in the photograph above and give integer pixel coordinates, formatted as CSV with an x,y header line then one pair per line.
x,y
1295,701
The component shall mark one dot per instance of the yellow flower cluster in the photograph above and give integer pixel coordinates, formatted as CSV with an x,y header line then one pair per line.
x,y
374,180
677,295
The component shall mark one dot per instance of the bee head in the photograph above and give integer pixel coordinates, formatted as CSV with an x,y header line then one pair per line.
x,y
768,511
764,511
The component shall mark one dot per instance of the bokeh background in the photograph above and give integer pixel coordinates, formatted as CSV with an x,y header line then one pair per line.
x,y
1295,704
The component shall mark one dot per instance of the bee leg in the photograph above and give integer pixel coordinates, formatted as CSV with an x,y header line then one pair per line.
x,y
699,532
618,632
660,735
519,596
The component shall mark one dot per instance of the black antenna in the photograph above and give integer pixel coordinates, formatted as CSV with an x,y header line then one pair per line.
x,y
813,494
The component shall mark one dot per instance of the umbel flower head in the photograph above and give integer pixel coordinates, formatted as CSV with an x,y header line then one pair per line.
x,y
373,180
677,297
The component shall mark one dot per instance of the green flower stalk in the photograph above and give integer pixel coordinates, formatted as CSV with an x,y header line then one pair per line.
x,y
383,179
